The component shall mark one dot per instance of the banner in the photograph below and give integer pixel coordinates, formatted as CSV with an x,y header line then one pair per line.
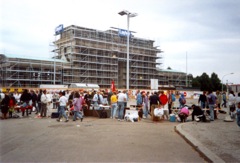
x,y
124,33
59,29
154,84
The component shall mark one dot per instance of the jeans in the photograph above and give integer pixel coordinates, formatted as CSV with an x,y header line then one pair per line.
x,y
120,110
62,112
39,107
203,105
145,111
211,108
77,114
113,110
238,120
224,103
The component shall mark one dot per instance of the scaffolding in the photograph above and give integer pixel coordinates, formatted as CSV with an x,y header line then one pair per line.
x,y
27,72
85,55
100,56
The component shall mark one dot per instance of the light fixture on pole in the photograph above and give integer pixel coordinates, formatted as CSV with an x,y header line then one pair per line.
x,y
129,15
223,77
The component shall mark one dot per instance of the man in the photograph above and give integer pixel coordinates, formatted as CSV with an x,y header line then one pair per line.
x,y
39,94
224,99
25,99
211,98
164,102
62,105
122,97
139,98
44,101
154,101
96,100
203,100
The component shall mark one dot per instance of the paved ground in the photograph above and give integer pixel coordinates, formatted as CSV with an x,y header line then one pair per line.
x,y
93,140
221,138
105,140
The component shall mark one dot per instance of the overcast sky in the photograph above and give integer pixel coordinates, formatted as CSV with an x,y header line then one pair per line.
x,y
206,31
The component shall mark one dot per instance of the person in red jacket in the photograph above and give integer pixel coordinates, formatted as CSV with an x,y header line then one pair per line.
x,y
164,102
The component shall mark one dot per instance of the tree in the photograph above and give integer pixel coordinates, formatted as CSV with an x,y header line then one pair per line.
x,y
216,83
205,83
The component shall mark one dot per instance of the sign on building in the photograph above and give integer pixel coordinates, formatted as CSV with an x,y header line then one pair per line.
x,y
124,33
154,84
59,29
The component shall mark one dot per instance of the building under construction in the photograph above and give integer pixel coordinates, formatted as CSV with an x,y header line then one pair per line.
x,y
84,55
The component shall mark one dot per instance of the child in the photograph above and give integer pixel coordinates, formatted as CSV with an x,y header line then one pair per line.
x,y
12,104
238,114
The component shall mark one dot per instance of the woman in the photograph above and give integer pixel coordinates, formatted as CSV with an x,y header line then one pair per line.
x,y
113,102
78,102
184,113
5,106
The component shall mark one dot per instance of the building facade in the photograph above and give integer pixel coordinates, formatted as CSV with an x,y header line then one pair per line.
x,y
84,55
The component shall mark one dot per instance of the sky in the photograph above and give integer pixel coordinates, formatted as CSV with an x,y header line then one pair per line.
x,y
196,36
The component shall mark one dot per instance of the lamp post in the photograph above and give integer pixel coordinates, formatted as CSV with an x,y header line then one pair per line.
x,y
223,77
129,15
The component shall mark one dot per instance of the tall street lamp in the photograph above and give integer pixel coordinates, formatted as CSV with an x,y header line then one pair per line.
x,y
129,15
223,77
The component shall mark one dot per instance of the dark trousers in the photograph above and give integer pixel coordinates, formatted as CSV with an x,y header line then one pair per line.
x,y
44,110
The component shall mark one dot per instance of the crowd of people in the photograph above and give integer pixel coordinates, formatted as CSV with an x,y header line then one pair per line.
x,y
76,101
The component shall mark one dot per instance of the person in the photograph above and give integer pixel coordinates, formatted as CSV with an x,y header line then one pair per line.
x,y
182,101
164,102
113,103
54,100
231,103
87,98
219,99
12,103
25,100
62,105
183,114
211,99
145,104
109,95
34,98
155,102
78,102
224,98
238,114
237,99
39,106
5,105
139,98
44,102
198,112
96,100
171,101
122,97
202,100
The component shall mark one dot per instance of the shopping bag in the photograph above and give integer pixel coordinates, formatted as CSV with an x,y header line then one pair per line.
x,y
158,112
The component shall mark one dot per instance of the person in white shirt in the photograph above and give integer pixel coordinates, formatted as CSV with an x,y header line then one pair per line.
x,y
62,105
44,101
122,98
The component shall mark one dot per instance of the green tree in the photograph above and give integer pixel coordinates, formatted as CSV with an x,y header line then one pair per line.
x,y
216,82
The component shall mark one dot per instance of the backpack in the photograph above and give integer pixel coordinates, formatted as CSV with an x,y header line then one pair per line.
x,y
173,97
163,99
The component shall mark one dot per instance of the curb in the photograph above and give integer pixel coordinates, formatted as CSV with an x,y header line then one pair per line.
x,y
199,147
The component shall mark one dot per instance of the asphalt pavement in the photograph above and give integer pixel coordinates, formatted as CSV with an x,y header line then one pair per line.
x,y
30,139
